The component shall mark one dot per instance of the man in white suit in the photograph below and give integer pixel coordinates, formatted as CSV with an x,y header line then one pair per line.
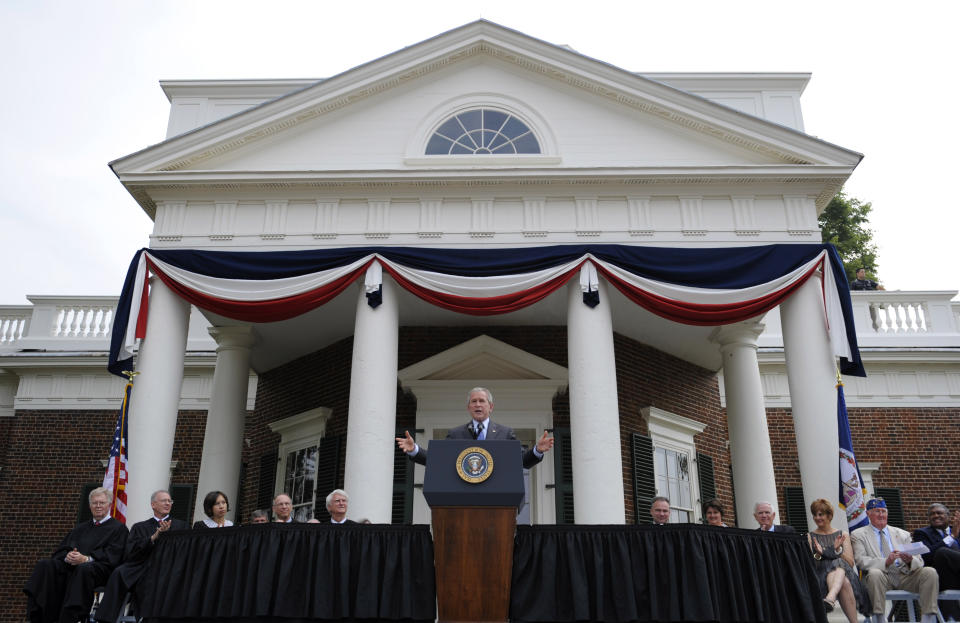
x,y
876,550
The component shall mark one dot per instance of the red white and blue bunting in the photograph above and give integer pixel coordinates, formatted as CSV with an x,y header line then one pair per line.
x,y
691,286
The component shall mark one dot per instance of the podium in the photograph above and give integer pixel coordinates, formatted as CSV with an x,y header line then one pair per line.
x,y
474,489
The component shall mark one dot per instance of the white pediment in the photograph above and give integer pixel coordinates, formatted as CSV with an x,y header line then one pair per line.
x,y
483,358
373,120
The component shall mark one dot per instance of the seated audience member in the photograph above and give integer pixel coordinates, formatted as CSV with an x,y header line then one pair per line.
x,y
259,516
833,563
143,536
215,505
764,514
713,513
283,509
337,506
660,510
877,551
61,587
940,537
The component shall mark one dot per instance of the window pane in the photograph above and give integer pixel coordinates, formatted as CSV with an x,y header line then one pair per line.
x,y
438,145
471,120
494,119
451,128
527,145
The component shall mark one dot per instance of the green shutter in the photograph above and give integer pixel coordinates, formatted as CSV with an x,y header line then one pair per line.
x,y
644,479
267,480
563,475
402,511
328,474
894,505
183,498
796,511
708,488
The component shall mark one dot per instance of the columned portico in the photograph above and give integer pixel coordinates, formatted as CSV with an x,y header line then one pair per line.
x,y
811,375
594,409
223,438
368,471
156,398
750,454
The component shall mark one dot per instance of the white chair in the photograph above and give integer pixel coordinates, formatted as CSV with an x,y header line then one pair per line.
x,y
913,603
948,595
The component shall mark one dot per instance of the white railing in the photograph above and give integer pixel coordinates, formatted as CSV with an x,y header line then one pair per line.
x,y
58,322
883,318
898,312
83,320
14,322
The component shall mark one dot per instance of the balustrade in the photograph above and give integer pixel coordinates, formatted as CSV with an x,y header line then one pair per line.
x,y
903,318
14,322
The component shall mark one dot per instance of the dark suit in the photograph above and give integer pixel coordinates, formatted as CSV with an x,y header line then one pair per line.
x,y
782,528
946,560
60,591
124,578
495,431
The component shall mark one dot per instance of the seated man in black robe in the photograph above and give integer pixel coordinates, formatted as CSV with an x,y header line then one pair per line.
x,y
61,587
143,536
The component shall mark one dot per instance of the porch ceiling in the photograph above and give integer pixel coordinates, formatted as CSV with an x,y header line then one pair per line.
x,y
281,342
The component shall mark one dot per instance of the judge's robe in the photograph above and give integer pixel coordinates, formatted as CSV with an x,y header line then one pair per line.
x,y
124,578
59,591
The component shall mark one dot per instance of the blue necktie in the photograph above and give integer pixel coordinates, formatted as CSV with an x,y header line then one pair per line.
x,y
480,434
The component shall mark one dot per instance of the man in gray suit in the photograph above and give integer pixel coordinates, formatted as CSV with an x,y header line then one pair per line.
x,y
479,406
877,551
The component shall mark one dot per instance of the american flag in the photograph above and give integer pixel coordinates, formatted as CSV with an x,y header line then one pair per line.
x,y
115,480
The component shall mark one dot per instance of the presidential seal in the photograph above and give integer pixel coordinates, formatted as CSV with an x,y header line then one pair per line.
x,y
474,464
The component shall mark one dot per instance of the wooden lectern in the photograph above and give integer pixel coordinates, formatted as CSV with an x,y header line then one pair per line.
x,y
474,511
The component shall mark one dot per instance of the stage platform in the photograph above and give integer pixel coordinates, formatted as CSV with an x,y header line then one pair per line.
x,y
316,572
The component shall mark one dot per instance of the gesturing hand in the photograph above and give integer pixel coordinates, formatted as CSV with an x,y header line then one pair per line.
x,y
406,443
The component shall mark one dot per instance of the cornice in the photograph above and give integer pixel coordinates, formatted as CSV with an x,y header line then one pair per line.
x,y
12,362
142,186
909,355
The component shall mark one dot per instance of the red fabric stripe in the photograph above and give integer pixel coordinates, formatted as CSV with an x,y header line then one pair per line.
x,y
141,330
700,314
262,311
489,306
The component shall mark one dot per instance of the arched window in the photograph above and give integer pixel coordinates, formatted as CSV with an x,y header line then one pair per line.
x,y
482,131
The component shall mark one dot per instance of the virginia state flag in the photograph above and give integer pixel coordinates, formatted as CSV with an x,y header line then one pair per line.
x,y
115,479
853,493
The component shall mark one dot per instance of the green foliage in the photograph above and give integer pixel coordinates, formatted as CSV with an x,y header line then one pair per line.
x,y
845,224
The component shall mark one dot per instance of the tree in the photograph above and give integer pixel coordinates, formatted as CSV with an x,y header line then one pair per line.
x,y
845,224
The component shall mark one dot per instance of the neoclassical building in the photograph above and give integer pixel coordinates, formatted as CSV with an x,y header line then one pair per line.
x,y
630,260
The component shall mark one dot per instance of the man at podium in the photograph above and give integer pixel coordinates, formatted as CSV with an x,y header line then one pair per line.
x,y
480,427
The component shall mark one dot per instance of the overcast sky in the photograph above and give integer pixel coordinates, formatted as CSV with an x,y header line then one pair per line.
x,y
80,88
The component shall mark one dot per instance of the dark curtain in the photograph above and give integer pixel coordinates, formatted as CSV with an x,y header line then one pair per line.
x,y
292,572
681,572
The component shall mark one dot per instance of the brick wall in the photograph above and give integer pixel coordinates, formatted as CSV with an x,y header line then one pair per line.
x,y
916,449
648,377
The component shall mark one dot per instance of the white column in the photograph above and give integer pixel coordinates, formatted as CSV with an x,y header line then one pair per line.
x,y
223,438
371,428
594,411
753,479
156,399
811,374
